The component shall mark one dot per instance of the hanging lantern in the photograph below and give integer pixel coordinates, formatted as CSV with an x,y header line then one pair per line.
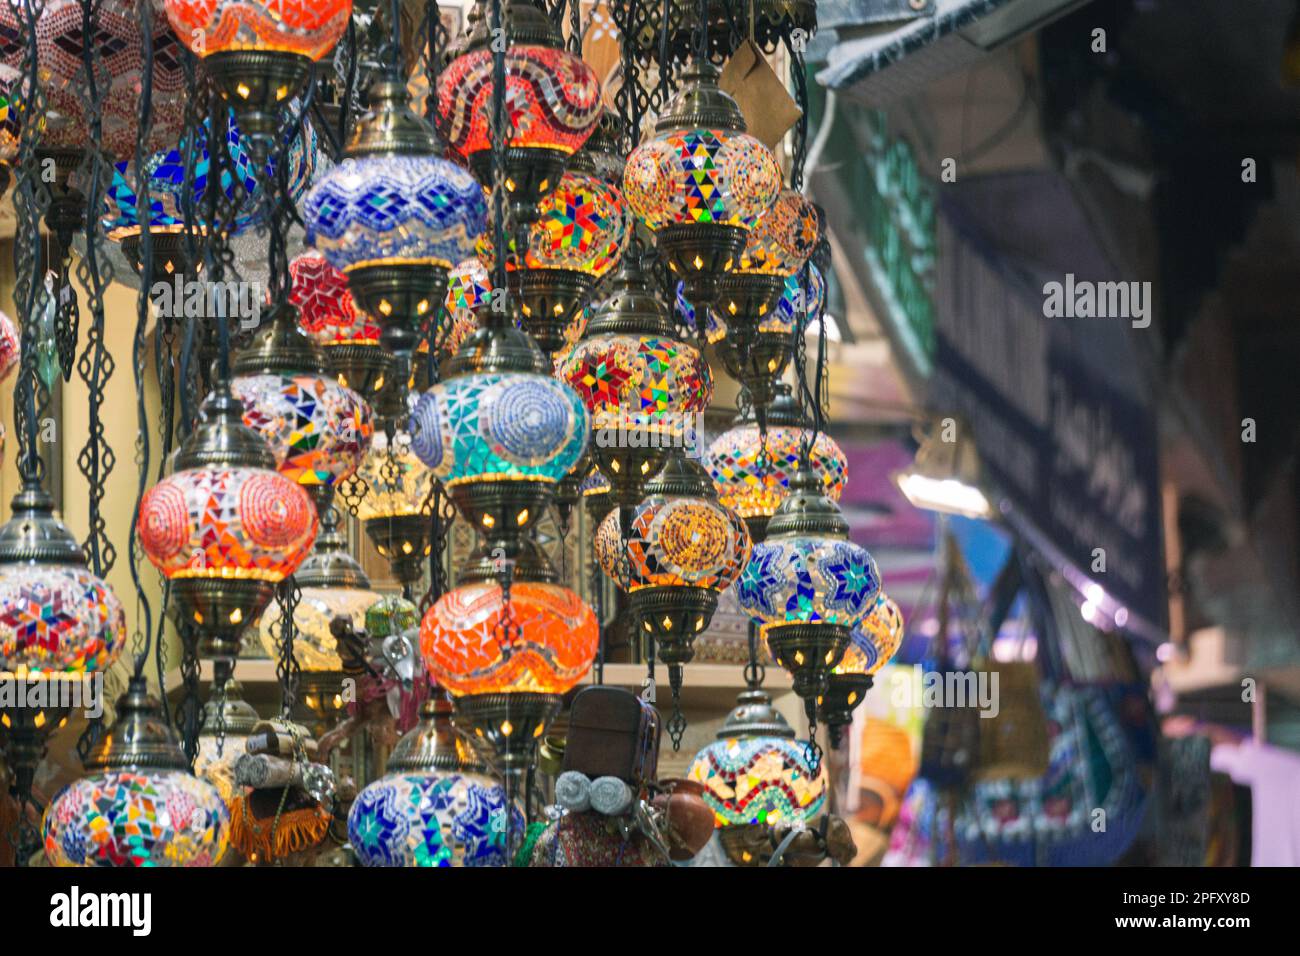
x,y
702,183
394,216
58,623
595,494
317,429
508,656
752,471
644,388
808,586
581,231
397,505
225,527
259,52
119,47
871,646
682,550
436,806
756,343
139,805
756,773
500,433
228,720
331,584
468,289
552,101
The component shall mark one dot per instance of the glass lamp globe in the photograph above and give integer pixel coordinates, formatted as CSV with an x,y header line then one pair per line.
x,y
228,720
756,773
681,551
644,388
396,507
260,52
808,586
552,101
468,289
138,805
436,806
60,37
317,429
395,216
224,527
872,645
701,183
752,473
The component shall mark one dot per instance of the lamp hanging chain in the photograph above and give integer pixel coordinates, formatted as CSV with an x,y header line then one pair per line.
x,y
436,37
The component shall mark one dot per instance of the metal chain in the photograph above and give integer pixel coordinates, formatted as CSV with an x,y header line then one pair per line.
x,y
287,669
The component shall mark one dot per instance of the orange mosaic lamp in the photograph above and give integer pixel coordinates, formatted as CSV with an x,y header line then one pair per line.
x,y
872,645
259,52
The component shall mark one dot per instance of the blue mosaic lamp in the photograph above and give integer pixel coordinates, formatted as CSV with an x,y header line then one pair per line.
x,y
123,219
808,586
436,806
394,216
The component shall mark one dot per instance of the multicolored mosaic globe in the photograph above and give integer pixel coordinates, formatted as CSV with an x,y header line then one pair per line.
x,y
642,382
119,46
469,287
310,28
767,780
485,425
314,647
752,473
701,176
584,226
875,641
808,579
432,819
548,649
132,818
783,240
552,96
381,210
780,320
326,310
227,523
317,429
675,541
57,619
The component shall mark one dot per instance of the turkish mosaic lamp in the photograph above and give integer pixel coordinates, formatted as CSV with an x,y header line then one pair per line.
x,y
872,645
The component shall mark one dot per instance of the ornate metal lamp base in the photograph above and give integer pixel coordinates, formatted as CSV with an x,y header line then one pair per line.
x,y
399,296
256,85
674,617
168,252
24,730
503,512
67,212
364,368
220,609
757,360
549,300
809,652
626,468
746,299
844,692
507,727
403,541
531,174
757,525
700,254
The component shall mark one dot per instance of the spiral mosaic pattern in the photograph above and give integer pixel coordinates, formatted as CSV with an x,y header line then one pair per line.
x,y
436,818
466,646
129,818
317,429
676,541
118,42
517,425
326,310
58,619
752,476
701,176
395,209
809,579
237,523
307,27
552,96
765,780
875,641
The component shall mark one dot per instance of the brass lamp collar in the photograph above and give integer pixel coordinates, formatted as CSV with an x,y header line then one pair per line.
x,y
140,738
523,24
700,102
808,510
754,716
390,127
682,476
631,309
33,534
280,347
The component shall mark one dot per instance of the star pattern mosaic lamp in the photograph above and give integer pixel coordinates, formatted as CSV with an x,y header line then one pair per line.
x,y
224,527
395,216
437,806
260,52
644,388
702,183
138,805
756,774
552,100
872,645
808,586
397,505
751,469
681,550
